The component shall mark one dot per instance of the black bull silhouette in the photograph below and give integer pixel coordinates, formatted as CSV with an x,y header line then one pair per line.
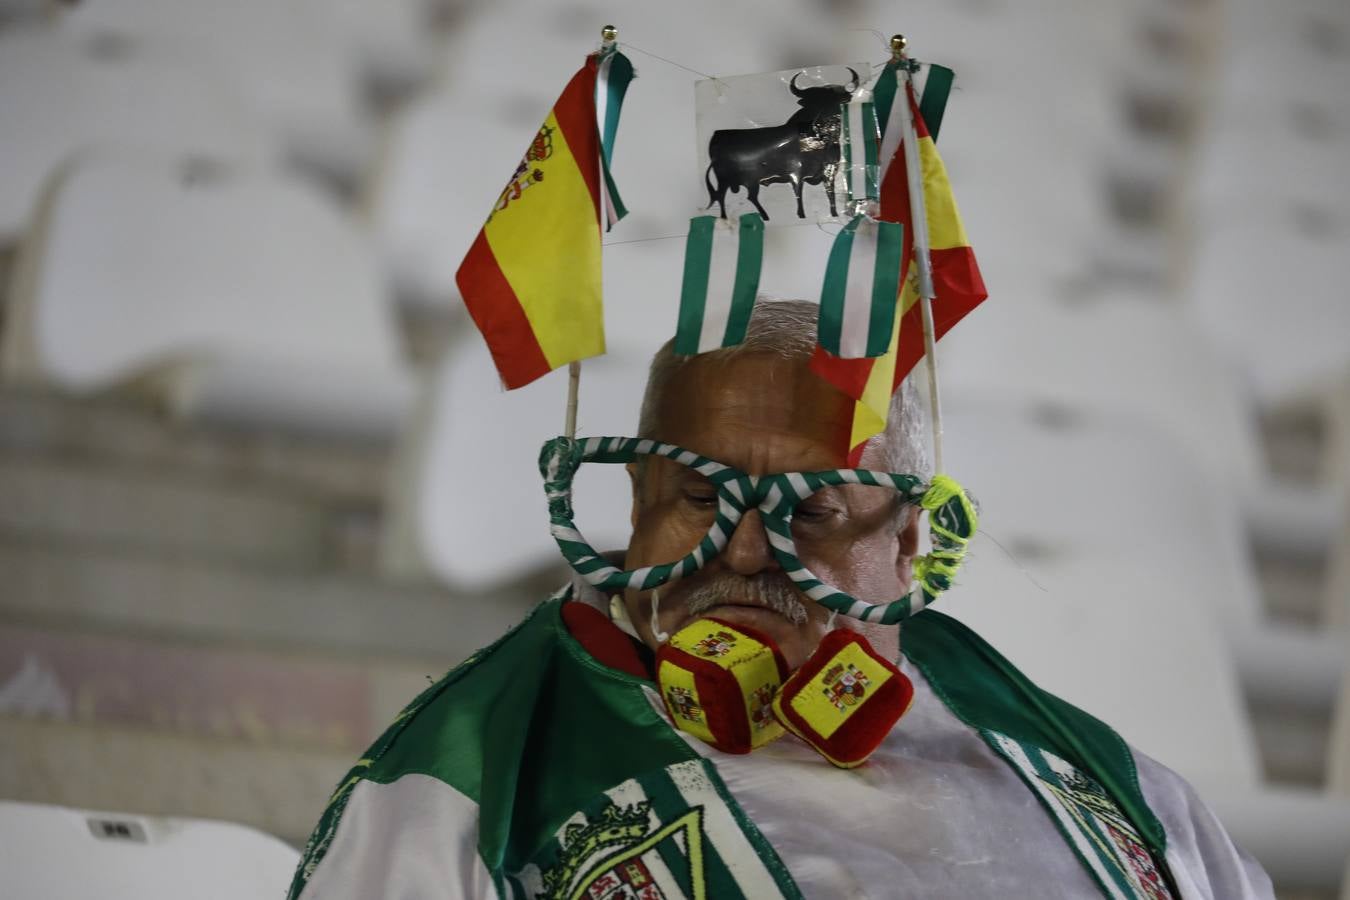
x,y
803,150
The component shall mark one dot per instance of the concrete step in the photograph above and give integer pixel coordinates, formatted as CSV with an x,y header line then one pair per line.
x,y
171,513
326,702
281,790
1293,589
41,423
1293,745
120,592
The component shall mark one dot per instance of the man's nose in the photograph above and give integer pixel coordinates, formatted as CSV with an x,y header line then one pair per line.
x,y
748,552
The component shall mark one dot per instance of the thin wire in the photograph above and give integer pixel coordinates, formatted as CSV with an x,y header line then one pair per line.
x,y
1015,561
881,38
679,237
670,62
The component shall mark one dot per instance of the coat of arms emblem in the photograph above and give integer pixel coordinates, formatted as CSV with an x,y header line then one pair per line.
x,y
762,703
630,880
719,643
682,701
845,685
527,173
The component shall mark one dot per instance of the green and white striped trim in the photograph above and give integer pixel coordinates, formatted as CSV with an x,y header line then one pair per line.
x,y
722,264
952,522
862,286
861,140
1101,835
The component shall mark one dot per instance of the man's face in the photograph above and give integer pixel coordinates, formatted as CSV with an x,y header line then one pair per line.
x,y
762,415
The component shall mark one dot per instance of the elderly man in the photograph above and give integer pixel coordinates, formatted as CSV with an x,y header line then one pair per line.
x,y
547,764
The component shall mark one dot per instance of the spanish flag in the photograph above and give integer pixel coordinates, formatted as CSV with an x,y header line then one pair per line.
x,y
532,278
956,276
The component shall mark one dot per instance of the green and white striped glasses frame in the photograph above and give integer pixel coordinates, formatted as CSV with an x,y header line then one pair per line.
x,y
952,522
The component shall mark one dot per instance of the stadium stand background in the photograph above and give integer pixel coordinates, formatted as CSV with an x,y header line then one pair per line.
x,y
239,388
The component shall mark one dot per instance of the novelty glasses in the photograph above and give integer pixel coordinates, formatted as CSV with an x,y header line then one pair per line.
x,y
809,518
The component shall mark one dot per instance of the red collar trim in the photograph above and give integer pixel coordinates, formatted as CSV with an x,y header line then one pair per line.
x,y
604,640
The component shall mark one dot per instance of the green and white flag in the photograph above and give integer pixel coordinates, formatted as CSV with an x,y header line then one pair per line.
x,y
860,141
722,261
933,85
613,74
862,287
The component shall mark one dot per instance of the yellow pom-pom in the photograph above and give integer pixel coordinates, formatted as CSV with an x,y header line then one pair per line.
x,y
941,489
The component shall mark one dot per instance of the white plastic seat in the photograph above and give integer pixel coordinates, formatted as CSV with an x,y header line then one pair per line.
x,y
1273,298
390,43
60,95
295,67
1270,196
56,851
469,506
1121,353
1073,483
1120,572
1299,156
244,292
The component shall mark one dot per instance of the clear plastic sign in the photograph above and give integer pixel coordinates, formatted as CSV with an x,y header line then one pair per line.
x,y
771,143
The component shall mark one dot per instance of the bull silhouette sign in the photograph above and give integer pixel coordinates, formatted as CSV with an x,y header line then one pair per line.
x,y
801,152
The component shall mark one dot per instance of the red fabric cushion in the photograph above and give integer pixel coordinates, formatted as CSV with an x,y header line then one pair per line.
x,y
880,707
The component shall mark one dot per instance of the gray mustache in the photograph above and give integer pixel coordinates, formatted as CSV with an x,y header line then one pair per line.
x,y
774,592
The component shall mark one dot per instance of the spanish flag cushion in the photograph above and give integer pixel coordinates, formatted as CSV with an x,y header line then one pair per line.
x,y
845,699
718,681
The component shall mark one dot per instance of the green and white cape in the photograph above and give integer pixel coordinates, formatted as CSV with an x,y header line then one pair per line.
x,y
535,771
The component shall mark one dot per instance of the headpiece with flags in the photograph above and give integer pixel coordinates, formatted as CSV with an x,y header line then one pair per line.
x,y
532,278
956,277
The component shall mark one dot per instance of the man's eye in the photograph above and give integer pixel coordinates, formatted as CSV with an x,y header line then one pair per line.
x,y
808,512
701,498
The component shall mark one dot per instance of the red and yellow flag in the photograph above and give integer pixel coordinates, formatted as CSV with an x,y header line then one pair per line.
x,y
956,281
532,278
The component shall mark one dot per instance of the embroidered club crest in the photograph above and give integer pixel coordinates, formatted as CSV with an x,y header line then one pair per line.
x,y
719,643
845,685
682,701
659,837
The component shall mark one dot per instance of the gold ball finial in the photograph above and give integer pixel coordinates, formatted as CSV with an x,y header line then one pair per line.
x,y
609,33
898,45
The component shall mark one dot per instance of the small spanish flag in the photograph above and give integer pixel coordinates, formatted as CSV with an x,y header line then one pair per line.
x,y
956,276
532,278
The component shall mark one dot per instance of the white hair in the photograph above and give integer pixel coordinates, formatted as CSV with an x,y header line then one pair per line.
x,y
787,329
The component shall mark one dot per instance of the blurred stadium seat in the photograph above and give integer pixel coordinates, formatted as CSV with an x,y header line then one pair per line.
x,y
392,44
244,296
1121,354
1272,191
61,95
468,506
53,851
220,203
292,65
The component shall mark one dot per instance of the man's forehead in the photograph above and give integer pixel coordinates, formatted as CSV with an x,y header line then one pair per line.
x,y
755,411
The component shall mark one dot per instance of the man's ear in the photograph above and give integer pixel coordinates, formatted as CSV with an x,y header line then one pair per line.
x,y
633,479
907,547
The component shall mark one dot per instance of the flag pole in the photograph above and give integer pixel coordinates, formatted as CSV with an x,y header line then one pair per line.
x,y
573,384
919,230
608,35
